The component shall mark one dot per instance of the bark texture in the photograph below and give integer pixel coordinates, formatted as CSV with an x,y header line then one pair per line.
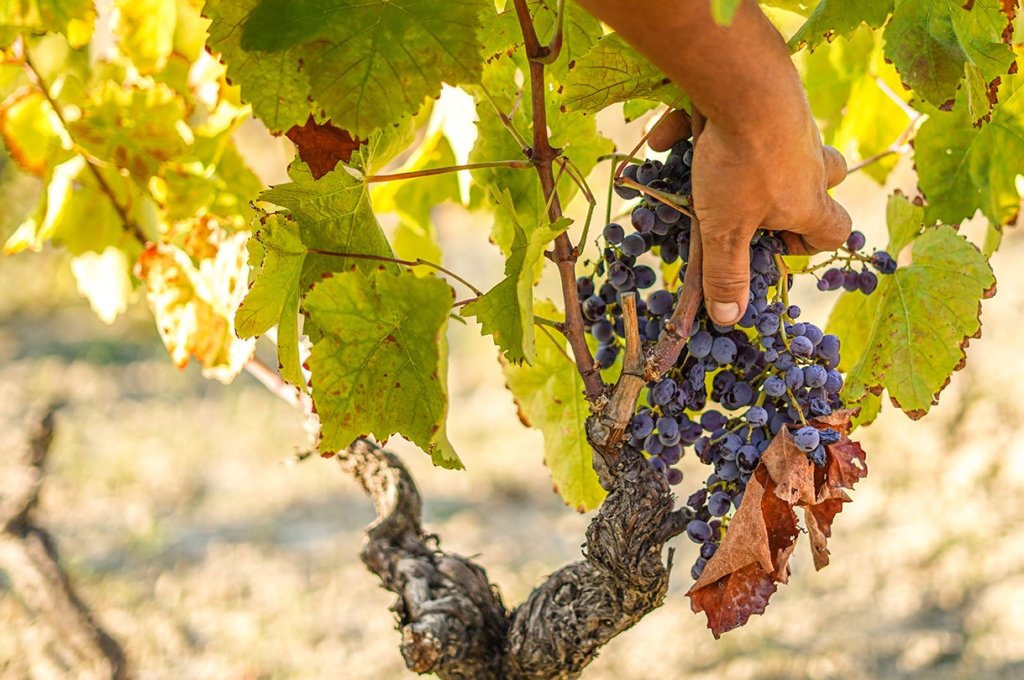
x,y
76,645
452,619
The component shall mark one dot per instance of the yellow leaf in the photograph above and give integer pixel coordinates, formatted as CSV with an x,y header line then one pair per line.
x,y
195,308
145,30
104,280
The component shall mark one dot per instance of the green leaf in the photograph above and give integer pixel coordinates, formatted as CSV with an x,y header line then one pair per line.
x,y
503,37
931,41
550,398
723,11
962,169
381,367
411,241
132,127
909,335
271,82
635,108
145,31
506,311
332,214
839,17
857,116
368,64
73,18
612,71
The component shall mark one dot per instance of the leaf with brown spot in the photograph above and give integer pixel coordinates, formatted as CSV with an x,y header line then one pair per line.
x,y
322,145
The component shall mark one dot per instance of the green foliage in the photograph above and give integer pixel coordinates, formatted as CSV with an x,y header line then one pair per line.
x,y
73,18
910,334
506,311
550,398
366,65
332,215
951,41
839,17
963,169
611,72
381,366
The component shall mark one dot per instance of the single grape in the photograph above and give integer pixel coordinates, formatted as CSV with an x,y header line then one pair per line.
x,y
626,193
850,280
698,568
747,457
663,391
652,444
593,308
708,550
698,531
806,439
614,233
645,276
647,173
828,347
732,442
784,362
729,471
793,312
674,476
813,333
630,171
659,302
723,350
603,331
668,426
834,278
794,378
606,355
642,425
652,329
801,346
818,408
757,416
823,285
700,344
642,219
671,453
829,437
774,386
668,214
634,245
584,287
856,240
883,262
867,282
818,456
618,273
719,503
760,260
658,464
767,323
712,420
834,382
779,308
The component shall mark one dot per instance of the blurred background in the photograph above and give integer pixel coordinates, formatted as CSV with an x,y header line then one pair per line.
x,y
207,554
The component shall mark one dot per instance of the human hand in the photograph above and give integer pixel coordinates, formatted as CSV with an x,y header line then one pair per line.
x,y
777,179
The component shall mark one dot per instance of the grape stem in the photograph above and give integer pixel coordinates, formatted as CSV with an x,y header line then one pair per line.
x,y
129,224
643,139
550,53
677,203
564,254
506,120
581,182
515,165
541,321
419,261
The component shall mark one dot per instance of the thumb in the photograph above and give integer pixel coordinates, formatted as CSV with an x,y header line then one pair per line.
x,y
726,272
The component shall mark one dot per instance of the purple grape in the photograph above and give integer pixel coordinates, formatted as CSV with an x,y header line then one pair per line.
x,y
757,416
699,345
883,262
801,346
674,476
806,439
660,302
642,425
774,386
642,219
828,347
867,282
719,503
723,350
658,464
614,233
855,241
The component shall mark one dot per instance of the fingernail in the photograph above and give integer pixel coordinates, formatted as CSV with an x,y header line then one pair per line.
x,y
725,313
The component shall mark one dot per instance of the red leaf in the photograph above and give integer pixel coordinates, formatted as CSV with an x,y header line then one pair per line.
x,y
732,600
322,145
754,555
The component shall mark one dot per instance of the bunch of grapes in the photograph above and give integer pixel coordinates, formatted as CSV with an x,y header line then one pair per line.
x,y
766,372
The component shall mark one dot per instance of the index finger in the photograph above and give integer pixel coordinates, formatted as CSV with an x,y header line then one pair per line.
x,y
675,126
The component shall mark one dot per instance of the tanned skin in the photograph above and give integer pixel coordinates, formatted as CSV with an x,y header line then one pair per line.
x,y
760,161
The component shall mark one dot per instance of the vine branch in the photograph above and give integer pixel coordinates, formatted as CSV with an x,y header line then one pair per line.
x,y
514,165
419,261
130,224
